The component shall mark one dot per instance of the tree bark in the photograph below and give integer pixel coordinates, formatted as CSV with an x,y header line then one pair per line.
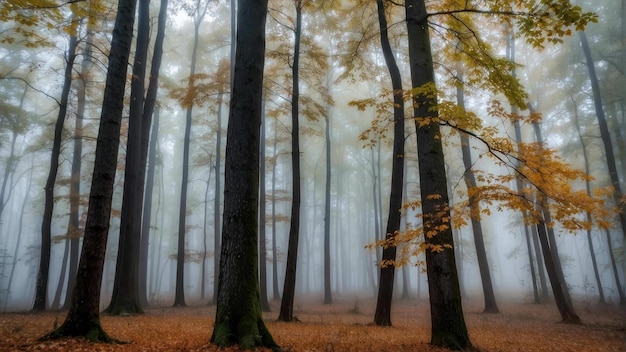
x,y
447,321
382,315
148,112
265,305
125,296
327,276
83,318
604,133
46,227
477,230
238,318
289,287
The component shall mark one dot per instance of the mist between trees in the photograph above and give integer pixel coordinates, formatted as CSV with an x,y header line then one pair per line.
x,y
380,142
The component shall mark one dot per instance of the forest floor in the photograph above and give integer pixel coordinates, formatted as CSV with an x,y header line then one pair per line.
x,y
338,327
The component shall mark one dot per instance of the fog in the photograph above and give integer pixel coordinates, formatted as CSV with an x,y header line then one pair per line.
x,y
555,78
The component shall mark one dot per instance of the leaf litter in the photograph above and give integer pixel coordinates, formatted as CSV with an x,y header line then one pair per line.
x,y
344,326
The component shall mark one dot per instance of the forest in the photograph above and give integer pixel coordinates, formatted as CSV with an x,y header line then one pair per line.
x,y
313,175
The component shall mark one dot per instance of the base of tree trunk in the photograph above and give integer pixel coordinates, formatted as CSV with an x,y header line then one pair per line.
x,y
249,333
89,328
450,341
123,308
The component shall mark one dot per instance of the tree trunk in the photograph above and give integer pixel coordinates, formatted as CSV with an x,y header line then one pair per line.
x,y
217,200
327,276
19,239
238,318
265,305
276,293
592,253
46,241
149,107
477,230
547,219
565,308
604,133
286,305
83,318
447,321
179,297
125,296
382,316
74,222
146,221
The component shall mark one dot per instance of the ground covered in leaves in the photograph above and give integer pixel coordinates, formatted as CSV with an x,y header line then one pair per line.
x,y
341,327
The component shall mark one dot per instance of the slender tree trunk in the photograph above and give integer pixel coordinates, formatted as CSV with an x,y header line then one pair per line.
x,y
477,230
327,276
46,241
19,238
217,200
382,316
447,321
286,305
149,107
592,253
74,231
238,318
547,219
147,212
276,293
265,305
520,184
179,297
618,285
568,314
83,318
604,133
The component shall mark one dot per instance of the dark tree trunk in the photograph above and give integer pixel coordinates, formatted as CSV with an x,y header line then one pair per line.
x,y
447,321
217,200
568,315
147,212
547,219
276,293
604,133
520,184
327,277
265,305
149,107
477,230
592,253
125,296
179,296
618,285
46,241
238,318
74,222
83,318
286,305
382,316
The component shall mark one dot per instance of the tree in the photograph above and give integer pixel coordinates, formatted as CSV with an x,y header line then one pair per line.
x,y
125,296
477,230
382,315
238,318
199,11
448,324
286,305
46,240
83,319
604,133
